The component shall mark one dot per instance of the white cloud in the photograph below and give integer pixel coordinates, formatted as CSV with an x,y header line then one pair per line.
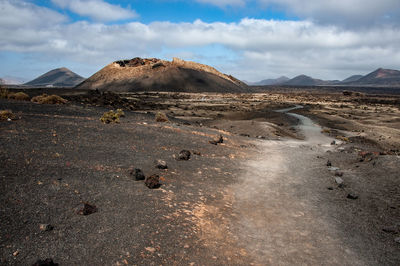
x,y
341,12
97,9
250,49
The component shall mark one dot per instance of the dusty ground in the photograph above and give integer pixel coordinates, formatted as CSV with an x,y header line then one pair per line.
x,y
264,196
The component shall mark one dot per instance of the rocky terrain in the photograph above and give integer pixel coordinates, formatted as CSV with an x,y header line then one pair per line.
x,y
239,183
60,77
153,74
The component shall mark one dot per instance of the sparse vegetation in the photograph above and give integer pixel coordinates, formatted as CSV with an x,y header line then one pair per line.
x,y
49,99
6,114
112,117
161,117
19,96
4,93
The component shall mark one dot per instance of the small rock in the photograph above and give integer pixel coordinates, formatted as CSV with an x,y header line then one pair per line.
x,y
87,209
184,155
160,164
137,174
16,253
390,229
333,142
397,240
152,181
352,196
339,181
216,142
186,246
46,227
333,169
197,153
337,173
46,262
328,163
330,188
150,249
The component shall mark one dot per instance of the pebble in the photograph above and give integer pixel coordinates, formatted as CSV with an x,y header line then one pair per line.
x,y
16,253
45,227
352,196
339,181
397,240
333,168
160,164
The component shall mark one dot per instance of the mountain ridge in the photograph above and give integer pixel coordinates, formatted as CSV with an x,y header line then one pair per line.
x,y
59,77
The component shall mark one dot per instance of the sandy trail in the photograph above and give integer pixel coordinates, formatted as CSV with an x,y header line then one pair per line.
x,y
280,205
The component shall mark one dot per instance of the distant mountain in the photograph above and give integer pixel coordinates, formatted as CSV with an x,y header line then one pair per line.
x,y
352,78
265,82
152,74
2,82
303,80
10,80
379,77
60,77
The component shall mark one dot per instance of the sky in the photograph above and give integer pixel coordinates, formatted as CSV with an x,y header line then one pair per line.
x,y
249,39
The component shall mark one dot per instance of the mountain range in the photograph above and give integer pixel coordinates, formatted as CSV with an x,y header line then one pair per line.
x,y
379,77
60,77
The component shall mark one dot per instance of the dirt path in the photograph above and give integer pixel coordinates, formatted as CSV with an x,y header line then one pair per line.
x,y
280,202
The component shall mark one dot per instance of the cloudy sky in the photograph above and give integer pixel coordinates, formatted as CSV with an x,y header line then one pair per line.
x,y
250,39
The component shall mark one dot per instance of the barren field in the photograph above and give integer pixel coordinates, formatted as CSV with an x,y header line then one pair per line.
x,y
279,189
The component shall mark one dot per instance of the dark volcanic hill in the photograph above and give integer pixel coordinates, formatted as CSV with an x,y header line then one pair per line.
x,y
159,75
352,78
380,76
304,80
265,82
60,77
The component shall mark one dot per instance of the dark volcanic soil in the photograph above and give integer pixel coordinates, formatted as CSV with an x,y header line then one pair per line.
x,y
55,158
263,196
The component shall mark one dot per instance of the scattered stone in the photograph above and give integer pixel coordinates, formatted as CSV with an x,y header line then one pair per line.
x,y
328,163
397,240
390,229
16,253
184,155
150,249
216,142
46,227
352,196
333,142
137,174
337,173
152,181
160,164
260,137
330,188
46,262
339,181
87,209
333,169
197,153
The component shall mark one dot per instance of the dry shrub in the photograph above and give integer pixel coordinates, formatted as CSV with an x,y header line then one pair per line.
x,y
343,138
6,114
161,117
4,93
19,96
112,117
120,112
49,99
